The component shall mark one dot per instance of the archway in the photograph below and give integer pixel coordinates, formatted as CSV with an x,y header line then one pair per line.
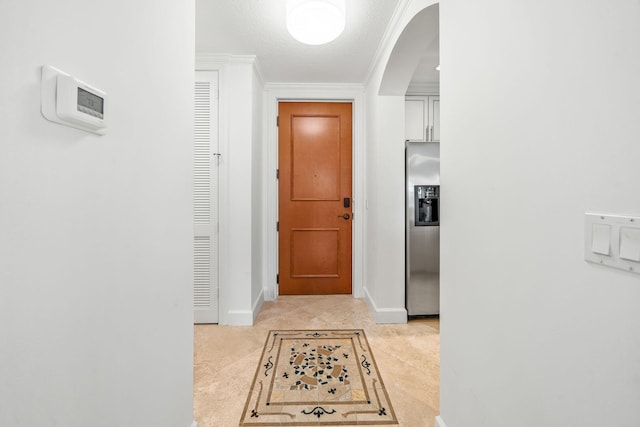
x,y
416,37
419,36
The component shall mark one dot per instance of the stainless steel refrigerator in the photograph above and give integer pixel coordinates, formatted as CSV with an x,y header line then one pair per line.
x,y
423,228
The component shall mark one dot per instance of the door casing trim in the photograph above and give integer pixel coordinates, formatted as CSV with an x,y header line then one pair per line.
x,y
275,93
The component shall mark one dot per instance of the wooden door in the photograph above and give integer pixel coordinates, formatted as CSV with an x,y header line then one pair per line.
x,y
314,193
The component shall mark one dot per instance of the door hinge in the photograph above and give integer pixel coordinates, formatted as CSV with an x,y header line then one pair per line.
x,y
277,173
277,278
278,226
277,121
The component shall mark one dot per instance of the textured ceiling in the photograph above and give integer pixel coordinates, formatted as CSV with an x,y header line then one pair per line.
x,y
258,27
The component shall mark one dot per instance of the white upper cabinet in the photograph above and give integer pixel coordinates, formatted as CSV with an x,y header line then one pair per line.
x,y
422,118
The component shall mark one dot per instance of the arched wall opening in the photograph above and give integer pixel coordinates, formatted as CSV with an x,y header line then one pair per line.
x,y
417,38
414,31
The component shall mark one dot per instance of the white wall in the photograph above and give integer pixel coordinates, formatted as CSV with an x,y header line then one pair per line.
x,y
240,212
384,262
95,232
258,189
237,85
539,125
385,229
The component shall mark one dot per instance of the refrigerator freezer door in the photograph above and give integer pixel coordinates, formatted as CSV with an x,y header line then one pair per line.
x,y
422,242
423,284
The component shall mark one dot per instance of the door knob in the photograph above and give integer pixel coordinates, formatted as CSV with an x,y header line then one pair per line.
x,y
345,216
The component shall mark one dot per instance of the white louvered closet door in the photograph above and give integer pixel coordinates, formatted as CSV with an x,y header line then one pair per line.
x,y
205,198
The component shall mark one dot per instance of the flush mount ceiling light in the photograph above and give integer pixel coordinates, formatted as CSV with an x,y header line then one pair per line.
x,y
315,22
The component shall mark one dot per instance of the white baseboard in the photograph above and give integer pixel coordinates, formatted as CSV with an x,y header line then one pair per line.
x,y
440,422
239,318
245,317
385,315
194,424
391,315
257,305
369,301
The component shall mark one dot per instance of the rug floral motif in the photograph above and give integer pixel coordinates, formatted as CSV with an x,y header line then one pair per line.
x,y
317,377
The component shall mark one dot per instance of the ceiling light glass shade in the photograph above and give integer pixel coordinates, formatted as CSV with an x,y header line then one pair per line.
x,y
315,21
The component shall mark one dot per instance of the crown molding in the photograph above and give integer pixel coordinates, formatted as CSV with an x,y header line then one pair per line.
x,y
292,87
203,57
258,70
404,12
214,61
386,38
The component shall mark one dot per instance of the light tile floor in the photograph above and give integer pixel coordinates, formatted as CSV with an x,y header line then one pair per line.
x,y
226,357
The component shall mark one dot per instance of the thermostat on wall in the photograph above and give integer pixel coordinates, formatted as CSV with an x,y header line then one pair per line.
x,y
71,102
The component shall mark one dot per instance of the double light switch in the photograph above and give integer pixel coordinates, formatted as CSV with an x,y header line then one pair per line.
x,y
613,241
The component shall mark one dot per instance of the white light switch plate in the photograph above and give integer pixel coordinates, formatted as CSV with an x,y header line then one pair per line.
x,y
630,243
612,241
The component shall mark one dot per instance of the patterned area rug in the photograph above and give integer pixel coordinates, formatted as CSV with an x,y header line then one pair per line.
x,y
317,377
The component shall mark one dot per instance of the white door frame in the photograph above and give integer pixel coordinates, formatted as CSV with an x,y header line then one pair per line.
x,y
275,93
